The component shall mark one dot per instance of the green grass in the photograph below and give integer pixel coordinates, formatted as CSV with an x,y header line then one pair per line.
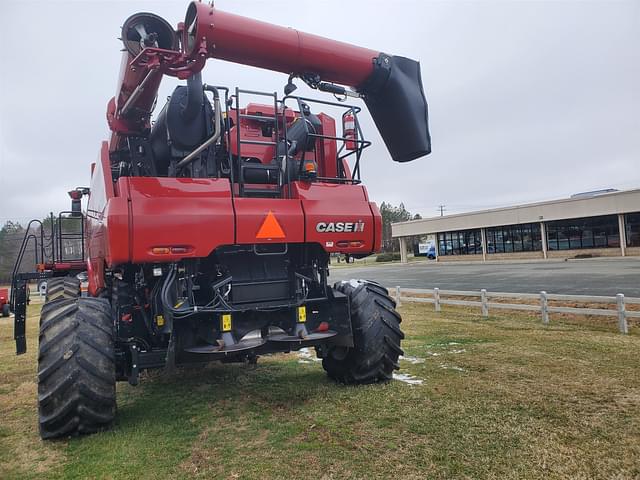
x,y
501,398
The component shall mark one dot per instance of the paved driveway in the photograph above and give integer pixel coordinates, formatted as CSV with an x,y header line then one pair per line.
x,y
582,277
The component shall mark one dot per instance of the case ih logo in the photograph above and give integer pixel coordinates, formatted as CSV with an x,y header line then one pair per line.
x,y
346,227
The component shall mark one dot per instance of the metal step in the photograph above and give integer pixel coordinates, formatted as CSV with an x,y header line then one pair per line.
x,y
259,118
258,142
262,192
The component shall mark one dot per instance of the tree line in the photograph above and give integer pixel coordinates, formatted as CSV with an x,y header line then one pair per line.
x,y
392,214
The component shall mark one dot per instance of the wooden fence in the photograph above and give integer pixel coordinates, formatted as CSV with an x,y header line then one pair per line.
x,y
542,299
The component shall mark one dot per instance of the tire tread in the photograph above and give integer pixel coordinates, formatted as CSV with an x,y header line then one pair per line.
x,y
377,336
76,367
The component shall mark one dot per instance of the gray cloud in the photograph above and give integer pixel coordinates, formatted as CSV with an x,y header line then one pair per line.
x,y
528,100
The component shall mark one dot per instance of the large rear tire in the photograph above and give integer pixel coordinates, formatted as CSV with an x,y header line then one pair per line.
x,y
76,367
6,311
62,287
376,336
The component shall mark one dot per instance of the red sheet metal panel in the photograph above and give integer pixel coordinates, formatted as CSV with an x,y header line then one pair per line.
x,y
337,216
254,224
190,217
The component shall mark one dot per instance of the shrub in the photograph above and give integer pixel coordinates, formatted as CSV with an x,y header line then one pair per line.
x,y
388,257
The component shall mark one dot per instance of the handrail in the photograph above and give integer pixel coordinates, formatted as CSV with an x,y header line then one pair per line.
x,y
23,248
47,250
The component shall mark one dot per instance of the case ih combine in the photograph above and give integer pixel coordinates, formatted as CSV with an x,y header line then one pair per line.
x,y
207,233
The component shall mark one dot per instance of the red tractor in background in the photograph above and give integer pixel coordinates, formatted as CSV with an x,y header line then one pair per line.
x,y
4,302
207,234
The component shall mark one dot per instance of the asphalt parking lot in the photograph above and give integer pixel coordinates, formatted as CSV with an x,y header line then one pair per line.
x,y
600,276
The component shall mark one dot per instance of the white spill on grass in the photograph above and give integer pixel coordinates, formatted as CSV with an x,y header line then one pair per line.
x,y
444,344
457,350
452,367
307,356
406,378
412,360
413,380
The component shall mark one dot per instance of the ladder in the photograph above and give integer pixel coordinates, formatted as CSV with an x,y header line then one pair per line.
x,y
273,190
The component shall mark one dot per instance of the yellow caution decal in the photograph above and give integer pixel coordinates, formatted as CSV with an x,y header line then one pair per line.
x,y
225,322
302,314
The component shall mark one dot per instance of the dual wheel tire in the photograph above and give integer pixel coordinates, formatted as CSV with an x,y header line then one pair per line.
x,y
76,363
376,336
61,287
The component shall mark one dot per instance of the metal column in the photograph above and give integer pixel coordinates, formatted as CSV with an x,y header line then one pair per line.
x,y
403,250
622,234
483,237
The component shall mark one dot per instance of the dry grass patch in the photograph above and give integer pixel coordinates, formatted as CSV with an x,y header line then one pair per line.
x,y
22,453
502,397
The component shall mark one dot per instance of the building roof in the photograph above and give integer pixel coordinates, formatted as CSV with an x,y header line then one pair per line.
x,y
625,201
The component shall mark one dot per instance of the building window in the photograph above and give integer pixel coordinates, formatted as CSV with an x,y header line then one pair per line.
x,y
514,238
632,227
463,242
579,233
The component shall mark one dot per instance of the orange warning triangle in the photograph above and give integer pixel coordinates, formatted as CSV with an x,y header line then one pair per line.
x,y
270,228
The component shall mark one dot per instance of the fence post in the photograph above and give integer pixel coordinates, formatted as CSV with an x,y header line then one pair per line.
x,y
398,296
485,307
622,316
544,307
436,298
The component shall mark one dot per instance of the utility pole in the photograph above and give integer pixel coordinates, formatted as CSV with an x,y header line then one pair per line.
x,y
441,208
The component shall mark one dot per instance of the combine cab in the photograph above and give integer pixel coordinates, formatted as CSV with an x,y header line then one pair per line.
x,y
208,232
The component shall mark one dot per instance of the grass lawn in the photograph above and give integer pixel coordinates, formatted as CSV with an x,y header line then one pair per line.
x,y
500,398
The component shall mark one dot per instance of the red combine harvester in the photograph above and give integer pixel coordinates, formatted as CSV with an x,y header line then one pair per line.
x,y
208,232
4,302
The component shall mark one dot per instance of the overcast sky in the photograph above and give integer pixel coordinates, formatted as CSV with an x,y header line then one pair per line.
x,y
528,100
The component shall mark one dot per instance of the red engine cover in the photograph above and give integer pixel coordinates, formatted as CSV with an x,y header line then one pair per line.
x,y
338,217
260,220
191,215
155,220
